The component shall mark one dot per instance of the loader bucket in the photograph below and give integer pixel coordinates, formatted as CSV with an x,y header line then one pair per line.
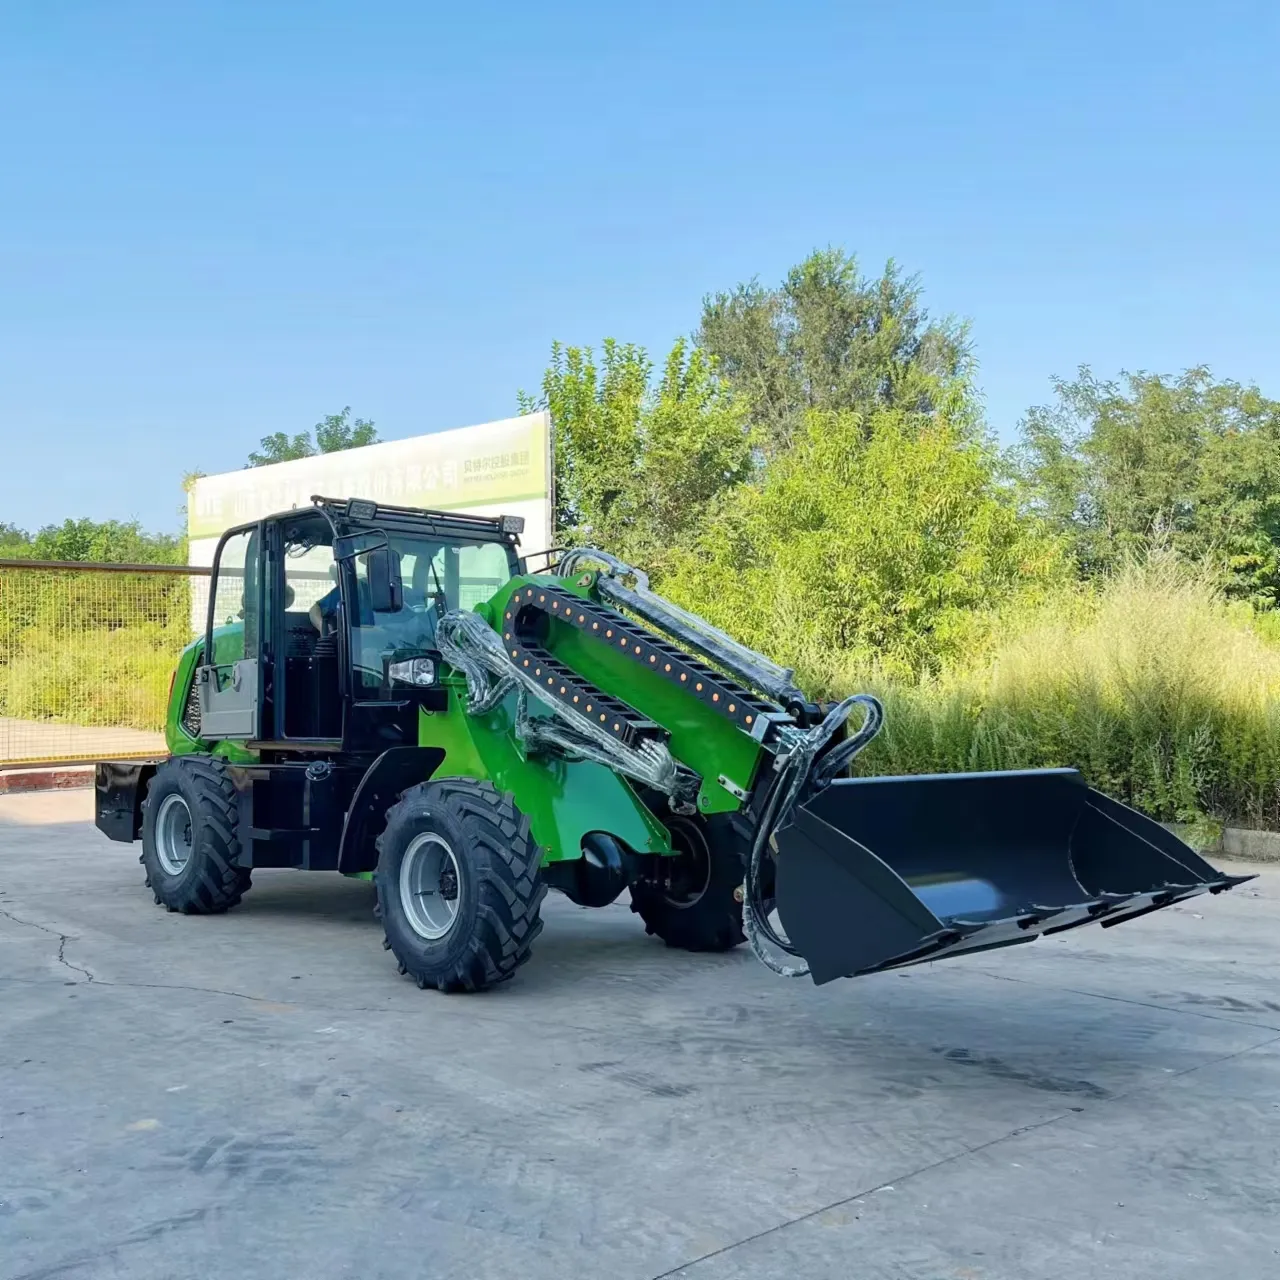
x,y
877,873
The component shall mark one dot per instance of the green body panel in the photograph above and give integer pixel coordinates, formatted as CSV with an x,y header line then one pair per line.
x,y
700,738
228,646
176,738
564,800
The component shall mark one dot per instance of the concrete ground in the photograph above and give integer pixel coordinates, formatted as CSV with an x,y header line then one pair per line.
x,y
259,1095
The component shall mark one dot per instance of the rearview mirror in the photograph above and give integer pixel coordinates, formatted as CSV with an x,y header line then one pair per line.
x,y
386,591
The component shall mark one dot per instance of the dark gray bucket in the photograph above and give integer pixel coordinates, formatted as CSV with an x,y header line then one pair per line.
x,y
876,873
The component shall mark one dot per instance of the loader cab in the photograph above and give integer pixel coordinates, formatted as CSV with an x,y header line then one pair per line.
x,y
322,622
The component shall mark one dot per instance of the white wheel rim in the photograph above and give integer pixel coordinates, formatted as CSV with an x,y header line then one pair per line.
x,y
431,886
173,835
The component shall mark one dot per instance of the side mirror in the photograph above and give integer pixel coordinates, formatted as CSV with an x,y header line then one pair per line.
x,y
386,591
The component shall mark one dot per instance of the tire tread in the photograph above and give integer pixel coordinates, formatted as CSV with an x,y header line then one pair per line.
x,y
712,924
216,883
505,860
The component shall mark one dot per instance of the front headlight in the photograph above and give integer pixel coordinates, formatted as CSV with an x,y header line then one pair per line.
x,y
416,671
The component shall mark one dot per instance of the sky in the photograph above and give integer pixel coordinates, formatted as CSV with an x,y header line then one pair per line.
x,y
219,220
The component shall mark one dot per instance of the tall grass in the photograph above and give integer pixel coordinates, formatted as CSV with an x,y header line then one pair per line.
x,y
1164,695
116,678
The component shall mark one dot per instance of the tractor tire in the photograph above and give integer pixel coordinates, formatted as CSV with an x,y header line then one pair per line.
x,y
189,842
700,909
459,885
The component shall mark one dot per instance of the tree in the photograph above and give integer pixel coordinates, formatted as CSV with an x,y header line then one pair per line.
x,y
829,339
14,542
280,447
334,432
638,461
867,542
105,541
815,479
1118,467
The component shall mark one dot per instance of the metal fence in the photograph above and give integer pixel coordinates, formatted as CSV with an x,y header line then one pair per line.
x,y
86,655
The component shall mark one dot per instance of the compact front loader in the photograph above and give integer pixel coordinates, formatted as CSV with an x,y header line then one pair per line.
x,y
390,693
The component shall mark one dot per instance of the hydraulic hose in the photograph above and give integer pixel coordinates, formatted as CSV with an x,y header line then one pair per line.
x,y
840,757
797,769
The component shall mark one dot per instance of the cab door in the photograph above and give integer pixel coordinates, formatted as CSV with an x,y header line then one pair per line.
x,y
229,681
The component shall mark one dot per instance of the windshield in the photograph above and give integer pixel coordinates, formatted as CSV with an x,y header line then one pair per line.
x,y
437,577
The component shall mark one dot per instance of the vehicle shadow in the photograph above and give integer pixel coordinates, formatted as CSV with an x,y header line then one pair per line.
x,y
301,895
607,943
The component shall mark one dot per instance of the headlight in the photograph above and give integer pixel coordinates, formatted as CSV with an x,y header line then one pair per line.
x,y
419,671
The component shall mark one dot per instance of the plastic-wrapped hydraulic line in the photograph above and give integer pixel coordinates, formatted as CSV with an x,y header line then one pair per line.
x,y
465,644
468,644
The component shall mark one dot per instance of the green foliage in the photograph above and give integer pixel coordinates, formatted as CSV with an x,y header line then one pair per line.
x,y
85,647
103,541
334,432
813,475
829,339
116,678
817,482
1187,462
867,541
14,542
282,447
639,461
815,478
1159,690
90,648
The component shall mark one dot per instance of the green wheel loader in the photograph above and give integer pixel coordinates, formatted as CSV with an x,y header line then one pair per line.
x,y
391,693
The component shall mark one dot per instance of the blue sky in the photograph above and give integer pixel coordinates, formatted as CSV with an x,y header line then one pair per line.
x,y
219,220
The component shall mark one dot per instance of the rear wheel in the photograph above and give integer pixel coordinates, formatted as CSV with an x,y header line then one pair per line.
x,y
697,905
189,837
458,883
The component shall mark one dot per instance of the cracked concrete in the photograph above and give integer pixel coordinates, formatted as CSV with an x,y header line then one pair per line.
x,y
259,1095
63,939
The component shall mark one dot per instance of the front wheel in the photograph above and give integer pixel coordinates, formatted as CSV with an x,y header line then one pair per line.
x,y
697,905
459,888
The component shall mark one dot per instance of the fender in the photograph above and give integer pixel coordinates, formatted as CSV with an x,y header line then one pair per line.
x,y
564,800
391,773
119,788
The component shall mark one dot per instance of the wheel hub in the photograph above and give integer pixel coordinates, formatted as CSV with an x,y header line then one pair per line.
x,y
430,886
173,835
448,884
687,874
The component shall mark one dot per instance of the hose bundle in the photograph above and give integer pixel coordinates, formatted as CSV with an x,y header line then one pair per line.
x,y
798,770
